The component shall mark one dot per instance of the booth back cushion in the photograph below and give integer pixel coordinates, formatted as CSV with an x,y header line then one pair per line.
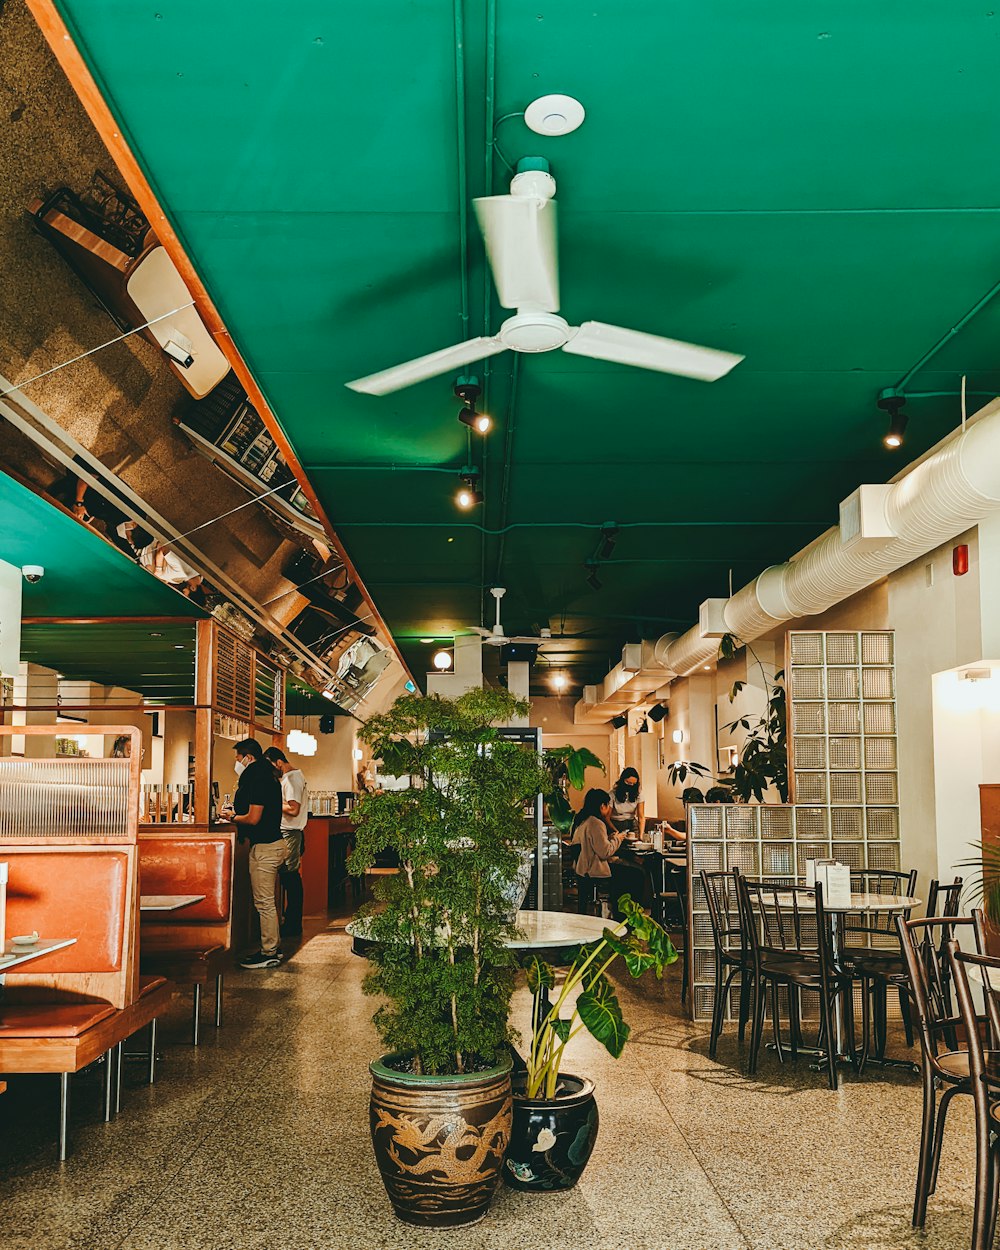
x,y
189,865
63,894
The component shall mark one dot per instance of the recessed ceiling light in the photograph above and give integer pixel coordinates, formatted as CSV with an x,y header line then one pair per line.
x,y
554,115
178,646
156,635
707,668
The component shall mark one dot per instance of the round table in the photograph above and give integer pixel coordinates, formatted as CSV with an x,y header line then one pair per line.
x,y
554,936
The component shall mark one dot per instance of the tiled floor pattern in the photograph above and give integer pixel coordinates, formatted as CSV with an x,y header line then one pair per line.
x,y
259,1140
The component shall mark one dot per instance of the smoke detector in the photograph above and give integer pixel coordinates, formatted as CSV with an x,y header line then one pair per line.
x,y
554,115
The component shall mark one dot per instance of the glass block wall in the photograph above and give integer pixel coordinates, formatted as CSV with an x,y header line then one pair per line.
x,y
842,767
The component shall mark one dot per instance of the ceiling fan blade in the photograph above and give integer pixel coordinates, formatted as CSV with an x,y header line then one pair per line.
x,y
520,236
423,367
649,351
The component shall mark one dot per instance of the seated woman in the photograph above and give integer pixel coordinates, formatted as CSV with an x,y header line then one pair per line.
x,y
598,844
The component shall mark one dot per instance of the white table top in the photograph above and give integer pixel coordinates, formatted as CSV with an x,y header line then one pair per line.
x,y
14,955
556,928
168,902
879,902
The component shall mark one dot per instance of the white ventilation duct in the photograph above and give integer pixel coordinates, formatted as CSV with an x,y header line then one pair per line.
x,y
882,529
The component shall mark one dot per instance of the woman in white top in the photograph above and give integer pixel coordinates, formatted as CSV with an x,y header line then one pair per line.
x,y
627,808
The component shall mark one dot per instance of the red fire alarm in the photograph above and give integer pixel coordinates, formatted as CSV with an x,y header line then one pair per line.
x,y
960,559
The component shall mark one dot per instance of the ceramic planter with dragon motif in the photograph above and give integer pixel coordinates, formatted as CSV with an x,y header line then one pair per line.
x,y
440,1140
552,1138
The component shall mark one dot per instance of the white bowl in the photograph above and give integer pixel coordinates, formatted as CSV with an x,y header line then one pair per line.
x,y
25,939
642,846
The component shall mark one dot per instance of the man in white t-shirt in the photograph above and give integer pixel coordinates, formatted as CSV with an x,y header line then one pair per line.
x,y
294,814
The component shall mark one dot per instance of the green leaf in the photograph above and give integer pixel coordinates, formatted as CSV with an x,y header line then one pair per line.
x,y
539,974
561,1028
737,687
728,646
601,1012
577,764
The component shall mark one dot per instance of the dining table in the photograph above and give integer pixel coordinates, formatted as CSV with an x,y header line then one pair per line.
x,y
167,902
860,904
17,953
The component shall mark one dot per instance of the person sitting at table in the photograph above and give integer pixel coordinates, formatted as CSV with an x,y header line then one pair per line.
x,y
598,846
628,812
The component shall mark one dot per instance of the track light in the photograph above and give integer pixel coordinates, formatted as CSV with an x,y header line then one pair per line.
x,y
619,722
892,404
468,391
657,712
469,494
609,536
593,581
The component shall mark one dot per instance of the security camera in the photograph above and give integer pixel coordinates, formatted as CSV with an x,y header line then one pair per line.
x,y
177,353
32,573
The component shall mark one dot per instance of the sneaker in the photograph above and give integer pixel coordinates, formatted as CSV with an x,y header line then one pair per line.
x,y
260,960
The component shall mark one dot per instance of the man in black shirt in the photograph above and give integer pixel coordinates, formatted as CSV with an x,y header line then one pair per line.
x,y
256,813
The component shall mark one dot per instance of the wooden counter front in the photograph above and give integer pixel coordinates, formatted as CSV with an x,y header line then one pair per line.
x,y
328,842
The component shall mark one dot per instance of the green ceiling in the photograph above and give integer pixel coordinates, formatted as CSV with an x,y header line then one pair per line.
x,y
85,576
813,186
153,658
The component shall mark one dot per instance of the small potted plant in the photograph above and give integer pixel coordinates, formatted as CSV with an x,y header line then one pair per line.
x,y
441,1097
555,1114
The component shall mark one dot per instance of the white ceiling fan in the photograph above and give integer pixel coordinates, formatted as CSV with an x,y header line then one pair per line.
x,y
495,637
519,231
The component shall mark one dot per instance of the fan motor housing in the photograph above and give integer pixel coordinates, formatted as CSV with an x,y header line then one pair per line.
x,y
534,332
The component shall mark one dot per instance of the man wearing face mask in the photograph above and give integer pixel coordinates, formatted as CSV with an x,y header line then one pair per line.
x,y
256,813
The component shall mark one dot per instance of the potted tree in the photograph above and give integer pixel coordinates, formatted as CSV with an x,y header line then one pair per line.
x,y
441,1098
555,1114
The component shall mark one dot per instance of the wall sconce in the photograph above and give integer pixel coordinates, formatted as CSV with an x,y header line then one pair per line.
x,y
734,758
678,735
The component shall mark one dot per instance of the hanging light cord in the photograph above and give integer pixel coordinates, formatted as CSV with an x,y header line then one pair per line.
x,y
100,348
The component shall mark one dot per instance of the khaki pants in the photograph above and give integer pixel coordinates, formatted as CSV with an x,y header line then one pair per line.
x,y
265,860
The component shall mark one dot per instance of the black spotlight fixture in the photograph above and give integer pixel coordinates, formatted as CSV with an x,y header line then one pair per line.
x,y
892,404
609,536
657,712
593,581
468,391
619,722
469,493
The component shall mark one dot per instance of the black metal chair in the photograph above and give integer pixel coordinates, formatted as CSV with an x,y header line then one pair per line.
x,y
732,955
984,1077
874,956
942,1062
669,895
790,936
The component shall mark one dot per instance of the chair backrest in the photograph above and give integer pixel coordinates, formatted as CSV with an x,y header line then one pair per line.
x,y
722,896
987,971
877,924
786,918
924,944
944,900
193,863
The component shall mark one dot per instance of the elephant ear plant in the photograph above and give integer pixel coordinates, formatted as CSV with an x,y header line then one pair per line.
x,y
460,830
643,945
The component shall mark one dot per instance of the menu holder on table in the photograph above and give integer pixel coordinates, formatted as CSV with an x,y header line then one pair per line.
x,y
836,881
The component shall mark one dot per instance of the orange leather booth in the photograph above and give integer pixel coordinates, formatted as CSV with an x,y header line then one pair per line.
x,y
193,943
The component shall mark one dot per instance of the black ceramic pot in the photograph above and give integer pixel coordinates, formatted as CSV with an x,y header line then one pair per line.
x,y
551,1141
439,1141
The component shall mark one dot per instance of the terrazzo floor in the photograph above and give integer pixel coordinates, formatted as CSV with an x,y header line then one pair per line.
x,y
259,1139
